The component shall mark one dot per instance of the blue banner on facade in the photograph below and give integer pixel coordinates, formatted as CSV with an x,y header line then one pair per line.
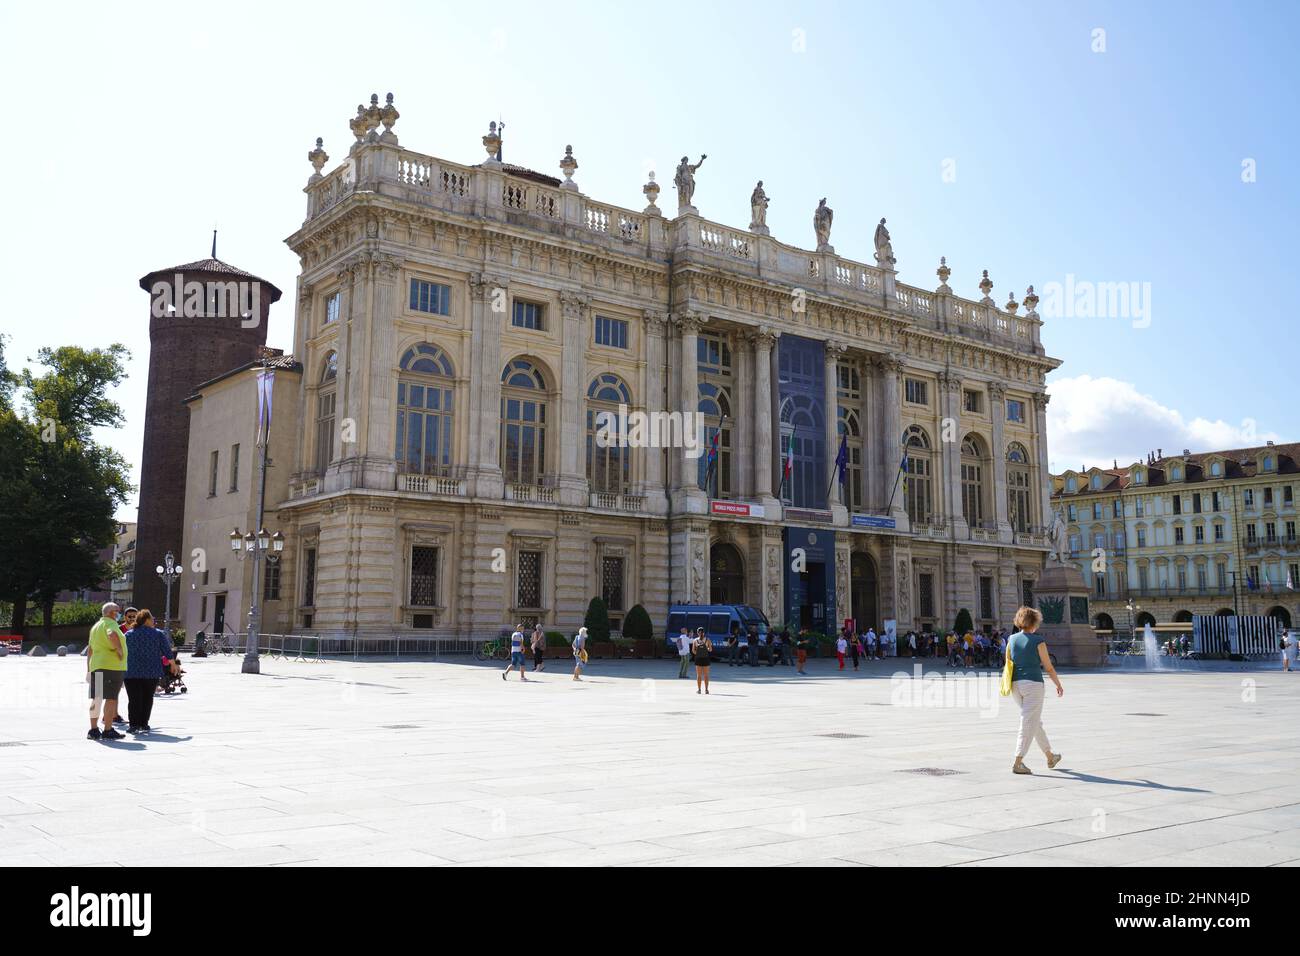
x,y
873,521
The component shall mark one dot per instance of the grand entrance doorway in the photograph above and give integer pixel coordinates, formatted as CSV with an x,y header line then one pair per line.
x,y
726,575
862,587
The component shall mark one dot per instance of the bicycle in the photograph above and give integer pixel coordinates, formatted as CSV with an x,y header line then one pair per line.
x,y
490,650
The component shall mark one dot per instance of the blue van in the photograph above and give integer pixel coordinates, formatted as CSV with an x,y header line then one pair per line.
x,y
716,619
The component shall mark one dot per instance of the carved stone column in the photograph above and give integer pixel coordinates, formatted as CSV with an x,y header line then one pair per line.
x,y
1044,468
655,325
832,352
488,301
376,428
763,341
871,432
950,438
889,371
998,414
572,387
350,305
689,496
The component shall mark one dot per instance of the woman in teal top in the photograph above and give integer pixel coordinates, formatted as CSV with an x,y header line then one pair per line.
x,y
1029,659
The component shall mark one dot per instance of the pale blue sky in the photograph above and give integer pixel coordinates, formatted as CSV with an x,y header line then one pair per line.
x,y
146,124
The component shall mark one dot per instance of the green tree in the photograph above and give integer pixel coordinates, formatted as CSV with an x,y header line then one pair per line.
x,y
964,622
637,625
597,621
62,487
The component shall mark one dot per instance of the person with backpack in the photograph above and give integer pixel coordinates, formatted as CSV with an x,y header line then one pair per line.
x,y
683,642
701,648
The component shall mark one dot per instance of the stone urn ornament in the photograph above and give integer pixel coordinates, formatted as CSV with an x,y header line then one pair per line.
x,y
651,191
492,143
943,272
1031,301
1012,304
986,286
373,114
358,126
568,166
388,116
318,158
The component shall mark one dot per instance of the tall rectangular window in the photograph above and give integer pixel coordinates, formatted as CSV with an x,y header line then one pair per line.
x,y
1248,497
309,577
925,586
986,598
1201,578
971,401
332,306
529,584
271,581
528,315
1027,592
1196,504
234,467
212,475
325,429
1218,532
1221,576
1200,535
1142,537
1178,504
424,577
1015,410
916,391
611,332
431,297
611,583
1268,497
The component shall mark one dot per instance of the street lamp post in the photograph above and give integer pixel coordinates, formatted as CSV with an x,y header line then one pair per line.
x,y
260,547
169,572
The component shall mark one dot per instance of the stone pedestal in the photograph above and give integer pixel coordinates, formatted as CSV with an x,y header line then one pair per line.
x,y
1062,597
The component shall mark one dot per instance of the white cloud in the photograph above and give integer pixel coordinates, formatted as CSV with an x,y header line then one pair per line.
x,y
1095,421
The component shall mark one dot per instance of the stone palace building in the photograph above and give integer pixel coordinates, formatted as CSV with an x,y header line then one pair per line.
x,y
1193,533
460,328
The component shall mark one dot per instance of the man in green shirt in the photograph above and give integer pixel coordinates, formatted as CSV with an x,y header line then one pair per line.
x,y
105,670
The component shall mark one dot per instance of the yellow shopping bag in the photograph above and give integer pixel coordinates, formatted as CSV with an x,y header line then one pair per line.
x,y
1008,670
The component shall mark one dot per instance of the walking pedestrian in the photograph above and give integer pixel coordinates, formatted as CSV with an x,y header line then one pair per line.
x,y
1029,659
105,668
871,642
841,648
579,652
701,648
683,652
539,648
855,646
805,642
1288,649
516,654
146,646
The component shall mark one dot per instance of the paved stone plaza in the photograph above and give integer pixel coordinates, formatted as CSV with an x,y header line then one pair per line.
x,y
435,763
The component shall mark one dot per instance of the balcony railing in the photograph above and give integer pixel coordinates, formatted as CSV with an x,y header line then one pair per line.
x,y
431,485
541,494
617,502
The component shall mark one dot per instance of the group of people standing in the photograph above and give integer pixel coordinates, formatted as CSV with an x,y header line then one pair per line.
x,y
125,651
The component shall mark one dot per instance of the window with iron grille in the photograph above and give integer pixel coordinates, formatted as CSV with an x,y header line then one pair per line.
x,y
424,577
925,584
611,583
271,581
986,598
309,578
529,590
1027,592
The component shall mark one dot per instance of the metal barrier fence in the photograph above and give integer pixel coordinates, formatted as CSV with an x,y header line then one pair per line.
x,y
314,647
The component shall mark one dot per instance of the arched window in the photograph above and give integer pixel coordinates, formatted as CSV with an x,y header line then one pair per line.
x,y
848,425
326,397
715,406
1019,500
972,482
425,397
609,460
523,423
916,483
803,433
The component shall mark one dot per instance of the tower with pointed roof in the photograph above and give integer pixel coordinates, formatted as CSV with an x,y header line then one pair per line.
x,y
206,318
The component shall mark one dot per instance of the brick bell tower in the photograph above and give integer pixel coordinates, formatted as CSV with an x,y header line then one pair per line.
x,y
205,318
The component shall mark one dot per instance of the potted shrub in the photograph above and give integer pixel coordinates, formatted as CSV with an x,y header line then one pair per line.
x,y
597,624
638,629
558,645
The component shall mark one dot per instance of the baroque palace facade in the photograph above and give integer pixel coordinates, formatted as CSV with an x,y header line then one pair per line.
x,y
460,328
1197,533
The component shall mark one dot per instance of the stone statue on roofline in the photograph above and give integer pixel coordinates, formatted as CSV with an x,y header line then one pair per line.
x,y
884,248
822,220
758,210
685,180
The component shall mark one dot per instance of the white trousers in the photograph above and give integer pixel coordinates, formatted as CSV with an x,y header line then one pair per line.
x,y
1029,695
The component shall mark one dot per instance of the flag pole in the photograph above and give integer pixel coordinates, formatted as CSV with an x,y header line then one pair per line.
x,y
898,474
